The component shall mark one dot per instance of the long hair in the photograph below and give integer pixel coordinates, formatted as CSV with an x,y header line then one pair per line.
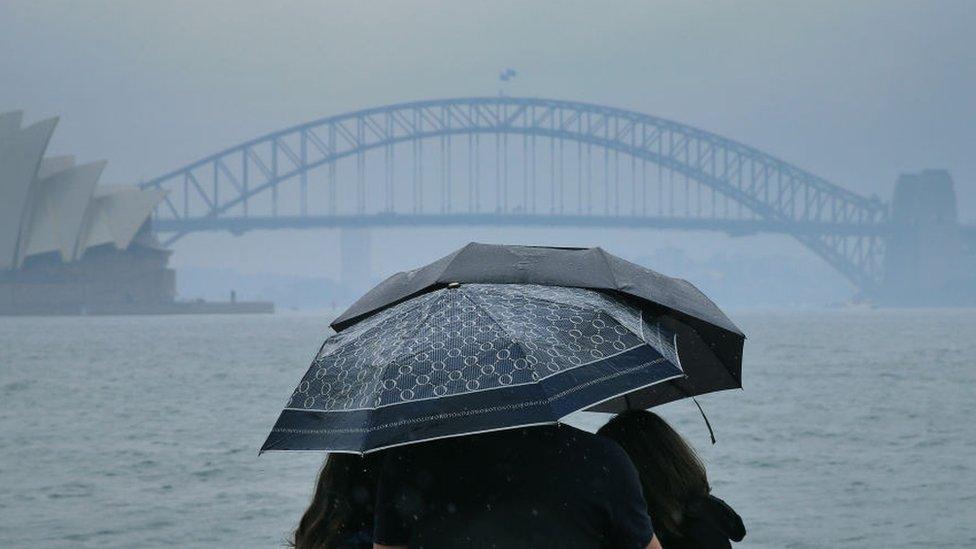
x,y
342,504
671,473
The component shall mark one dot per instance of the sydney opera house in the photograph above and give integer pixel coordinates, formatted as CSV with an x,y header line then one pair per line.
x,y
68,246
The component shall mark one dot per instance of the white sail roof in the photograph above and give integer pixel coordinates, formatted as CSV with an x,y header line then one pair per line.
x,y
58,210
20,157
51,165
116,214
47,204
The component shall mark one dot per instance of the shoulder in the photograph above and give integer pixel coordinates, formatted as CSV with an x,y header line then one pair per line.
x,y
598,450
601,444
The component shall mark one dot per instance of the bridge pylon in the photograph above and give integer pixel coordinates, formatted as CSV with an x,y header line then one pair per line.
x,y
926,262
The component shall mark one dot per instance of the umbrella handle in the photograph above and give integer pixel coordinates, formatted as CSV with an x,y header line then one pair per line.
x,y
711,433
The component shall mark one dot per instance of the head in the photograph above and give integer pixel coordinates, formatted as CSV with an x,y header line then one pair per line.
x,y
342,503
671,473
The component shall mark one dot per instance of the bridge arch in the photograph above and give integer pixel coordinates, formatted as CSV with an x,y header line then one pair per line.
x,y
844,228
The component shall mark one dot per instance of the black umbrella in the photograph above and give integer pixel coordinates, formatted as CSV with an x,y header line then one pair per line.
x,y
711,345
471,358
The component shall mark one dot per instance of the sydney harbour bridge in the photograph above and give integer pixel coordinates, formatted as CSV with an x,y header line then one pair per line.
x,y
540,162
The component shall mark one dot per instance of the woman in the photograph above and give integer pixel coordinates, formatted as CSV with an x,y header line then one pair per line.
x,y
341,512
679,500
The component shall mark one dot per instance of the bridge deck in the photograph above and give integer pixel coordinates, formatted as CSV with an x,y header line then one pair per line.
x,y
731,226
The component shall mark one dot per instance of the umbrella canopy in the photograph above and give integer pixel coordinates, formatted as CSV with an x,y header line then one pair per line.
x,y
711,345
471,358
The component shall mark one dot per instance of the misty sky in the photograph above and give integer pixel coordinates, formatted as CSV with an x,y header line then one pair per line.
x,y
854,91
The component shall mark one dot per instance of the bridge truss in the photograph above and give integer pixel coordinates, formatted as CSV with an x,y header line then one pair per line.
x,y
519,161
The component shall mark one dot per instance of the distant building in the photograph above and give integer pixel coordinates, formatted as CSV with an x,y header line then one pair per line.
x,y
66,245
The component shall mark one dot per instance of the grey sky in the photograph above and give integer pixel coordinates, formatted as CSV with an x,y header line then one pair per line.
x,y
855,91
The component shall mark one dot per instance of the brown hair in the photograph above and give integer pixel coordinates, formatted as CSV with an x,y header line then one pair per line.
x,y
671,473
342,504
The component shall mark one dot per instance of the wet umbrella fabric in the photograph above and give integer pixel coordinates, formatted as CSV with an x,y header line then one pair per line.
x,y
468,359
711,344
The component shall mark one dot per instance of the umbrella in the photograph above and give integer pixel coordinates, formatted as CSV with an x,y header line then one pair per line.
x,y
711,345
471,358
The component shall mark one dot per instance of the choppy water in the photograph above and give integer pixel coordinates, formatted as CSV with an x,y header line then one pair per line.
x,y
856,429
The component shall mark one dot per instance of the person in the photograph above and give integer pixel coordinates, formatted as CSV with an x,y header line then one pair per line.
x,y
340,515
534,487
675,485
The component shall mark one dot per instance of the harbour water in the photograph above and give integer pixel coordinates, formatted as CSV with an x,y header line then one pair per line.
x,y
855,429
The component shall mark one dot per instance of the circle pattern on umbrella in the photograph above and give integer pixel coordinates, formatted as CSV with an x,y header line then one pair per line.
x,y
475,337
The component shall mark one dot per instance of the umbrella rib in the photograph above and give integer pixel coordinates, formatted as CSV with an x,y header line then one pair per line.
x,y
513,337
566,303
550,300
374,322
394,354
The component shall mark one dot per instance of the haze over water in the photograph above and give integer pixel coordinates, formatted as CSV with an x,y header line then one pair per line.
x,y
854,92
854,430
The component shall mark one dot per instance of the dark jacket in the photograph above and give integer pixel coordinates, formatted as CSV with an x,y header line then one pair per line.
x,y
707,523
530,488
